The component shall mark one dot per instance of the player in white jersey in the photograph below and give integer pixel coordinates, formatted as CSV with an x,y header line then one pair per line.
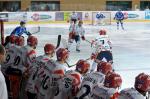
x,y
74,17
69,85
47,83
15,68
110,88
76,33
10,52
39,63
92,79
101,49
11,42
28,56
142,87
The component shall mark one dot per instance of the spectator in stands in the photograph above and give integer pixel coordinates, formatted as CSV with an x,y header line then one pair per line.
x,y
147,9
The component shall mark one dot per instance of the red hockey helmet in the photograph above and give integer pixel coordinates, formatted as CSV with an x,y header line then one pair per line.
x,y
112,80
49,48
142,82
82,66
12,39
32,41
102,32
62,54
104,67
19,41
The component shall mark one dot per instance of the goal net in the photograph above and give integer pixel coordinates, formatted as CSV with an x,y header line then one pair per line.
x,y
101,18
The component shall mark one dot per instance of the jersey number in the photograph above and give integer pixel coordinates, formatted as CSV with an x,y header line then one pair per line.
x,y
67,82
7,58
17,60
44,82
88,90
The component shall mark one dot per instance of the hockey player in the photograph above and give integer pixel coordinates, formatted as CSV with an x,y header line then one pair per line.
x,y
74,17
11,42
39,64
110,89
119,17
28,56
92,79
48,78
18,31
10,53
15,68
102,49
69,85
29,52
142,87
76,33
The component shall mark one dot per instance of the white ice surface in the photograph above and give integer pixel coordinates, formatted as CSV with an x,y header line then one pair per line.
x,y
131,47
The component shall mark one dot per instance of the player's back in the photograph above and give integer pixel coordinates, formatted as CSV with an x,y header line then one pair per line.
x,y
48,78
93,78
102,92
39,63
28,55
10,57
69,85
130,93
46,81
18,59
102,43
88,82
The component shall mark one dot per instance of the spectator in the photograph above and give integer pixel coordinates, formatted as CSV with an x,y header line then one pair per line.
x,y
147,9
3,88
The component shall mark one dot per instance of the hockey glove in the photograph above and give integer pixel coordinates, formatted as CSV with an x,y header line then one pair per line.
x,y
93,56
29,34
83,38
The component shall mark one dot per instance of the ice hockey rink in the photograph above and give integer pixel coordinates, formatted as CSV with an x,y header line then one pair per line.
x,y
131,47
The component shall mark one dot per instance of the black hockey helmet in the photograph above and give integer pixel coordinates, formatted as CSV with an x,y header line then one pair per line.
x,y
22,22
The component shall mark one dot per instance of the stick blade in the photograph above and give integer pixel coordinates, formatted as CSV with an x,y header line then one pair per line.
x,y
58,41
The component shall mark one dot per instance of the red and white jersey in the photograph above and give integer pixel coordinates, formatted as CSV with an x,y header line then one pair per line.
x,y
102,92
10,57
28,56
18,60
130,93
40,61
69,85
89,81
78,30
48,80
102,43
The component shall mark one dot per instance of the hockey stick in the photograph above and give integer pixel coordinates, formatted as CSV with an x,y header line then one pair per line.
x,y
58,41
37,30
88,41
